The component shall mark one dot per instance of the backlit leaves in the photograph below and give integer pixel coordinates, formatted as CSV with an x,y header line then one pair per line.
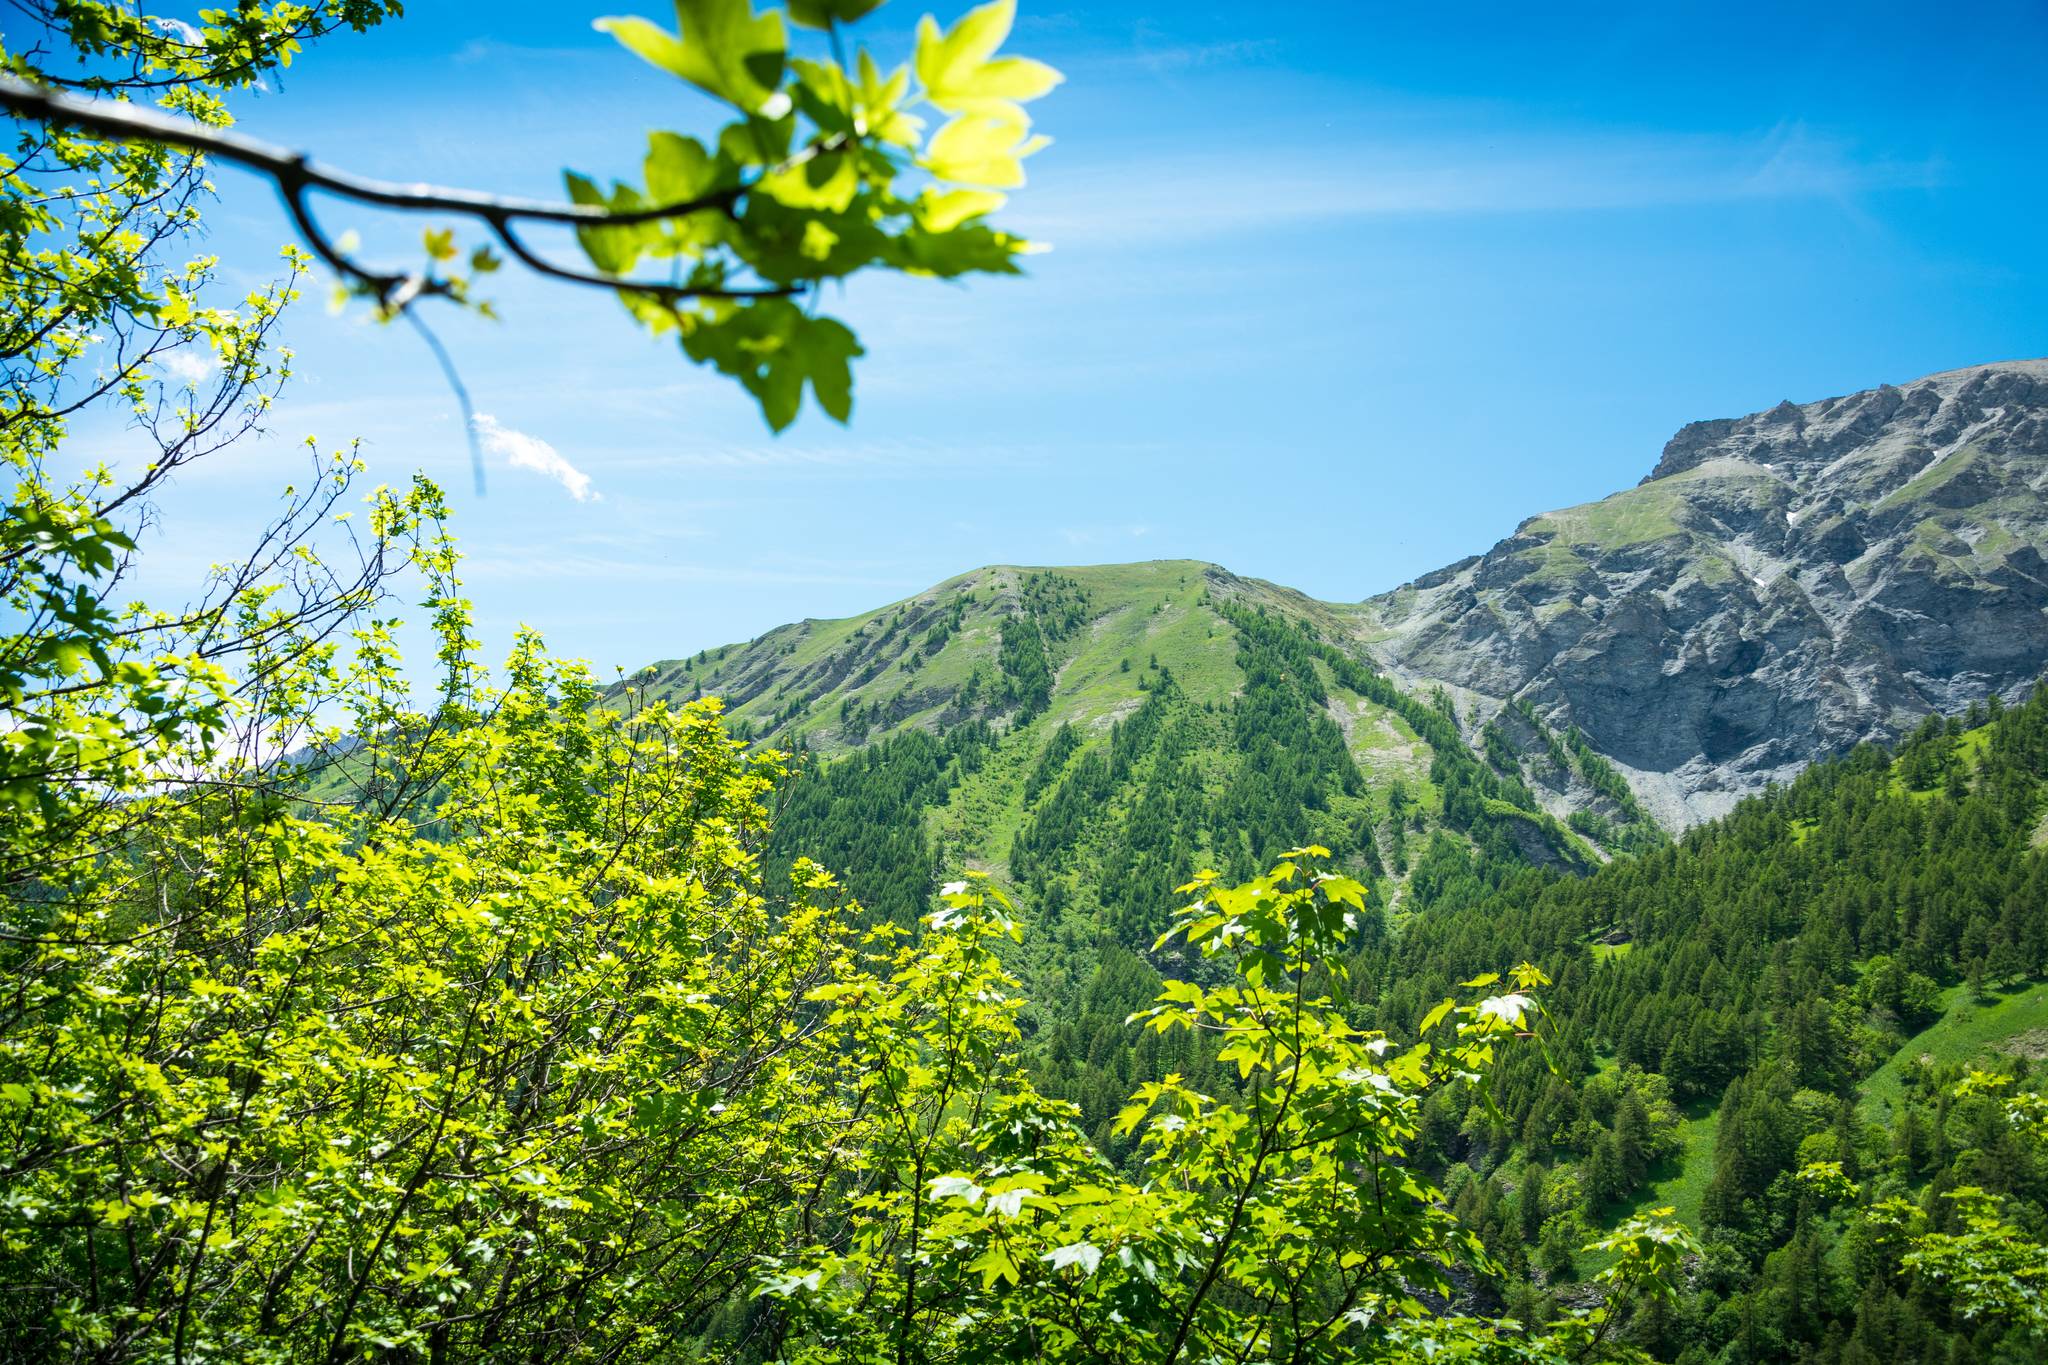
x,y
961,73
942,212
1287,1220
825,13
775,350
827,172
725,49
985,150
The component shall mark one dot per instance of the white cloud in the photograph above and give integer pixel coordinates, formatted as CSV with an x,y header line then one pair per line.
x,y
191,368
1457,176
1165,59
530,452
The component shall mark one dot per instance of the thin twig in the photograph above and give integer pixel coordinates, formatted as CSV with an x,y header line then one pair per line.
x,y
454,377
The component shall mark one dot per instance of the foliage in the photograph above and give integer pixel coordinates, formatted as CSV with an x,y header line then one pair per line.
x,y
830,173
1286,1223
345,1021
97,309
824,170
1777,958
119,47
293,1086
868,812
1787,950
473,1026
528,1057
1966,1248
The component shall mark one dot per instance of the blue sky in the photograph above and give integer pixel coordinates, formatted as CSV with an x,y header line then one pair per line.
x,y
1339,293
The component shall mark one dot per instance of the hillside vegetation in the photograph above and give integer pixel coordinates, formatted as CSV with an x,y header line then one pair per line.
x,y
1215,719
1068,966
1803,981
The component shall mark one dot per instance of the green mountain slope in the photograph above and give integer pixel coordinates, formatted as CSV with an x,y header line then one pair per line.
x,y
1797,981
972,646
1800,981
1090,736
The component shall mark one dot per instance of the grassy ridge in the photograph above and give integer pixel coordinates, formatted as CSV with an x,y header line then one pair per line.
x,y
1110,634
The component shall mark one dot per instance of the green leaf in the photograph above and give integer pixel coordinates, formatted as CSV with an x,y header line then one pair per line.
x,y
678,169
66,656
825,13
1344,890
774,349
982,149
827,182
648,41
612,250
959,70
879,98
994,1264
826,96
943,211
969,43
725,50
1001,84
824,349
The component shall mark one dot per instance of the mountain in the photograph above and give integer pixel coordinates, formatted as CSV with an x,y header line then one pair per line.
x,y
1501,751
1780,587
1091,735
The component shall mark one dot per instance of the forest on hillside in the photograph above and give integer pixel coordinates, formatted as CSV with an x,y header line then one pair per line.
x,y
1802,986
1215,998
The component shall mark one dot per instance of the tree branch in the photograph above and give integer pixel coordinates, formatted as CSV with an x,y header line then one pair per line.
x,y
295,175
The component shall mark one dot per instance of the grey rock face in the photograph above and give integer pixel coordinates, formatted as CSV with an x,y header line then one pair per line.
x,y
1781,587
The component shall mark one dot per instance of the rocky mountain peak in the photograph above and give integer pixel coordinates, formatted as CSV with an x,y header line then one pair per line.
x,y
1942,410
1782,586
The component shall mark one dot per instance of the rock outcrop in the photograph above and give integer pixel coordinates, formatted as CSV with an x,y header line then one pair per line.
x,y
1779,588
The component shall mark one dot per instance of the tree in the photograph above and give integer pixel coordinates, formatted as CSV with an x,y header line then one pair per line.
x,y
1604,1179
825,171
98,307
543,1074
1970,1253
1529,1204
1557,1254
340,1019
1632,1139
1285,1223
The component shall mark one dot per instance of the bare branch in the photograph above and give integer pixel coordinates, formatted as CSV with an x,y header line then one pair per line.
x,y
296,175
